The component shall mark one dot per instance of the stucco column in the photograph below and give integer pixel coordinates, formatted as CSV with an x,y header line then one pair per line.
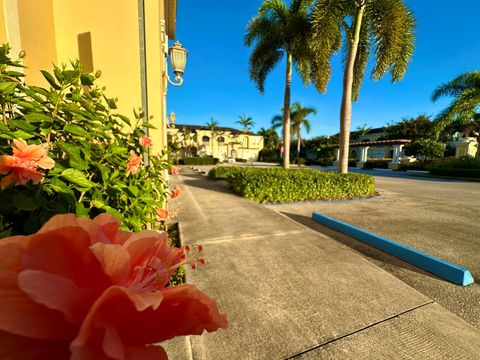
x,y
397,149
337,155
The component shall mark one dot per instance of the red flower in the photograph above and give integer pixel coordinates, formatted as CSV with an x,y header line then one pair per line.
x,y
83,289
174,170
177,191
145,141
161,214
23,165
133,164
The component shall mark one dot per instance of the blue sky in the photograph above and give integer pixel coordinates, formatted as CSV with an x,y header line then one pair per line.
x,y
217,84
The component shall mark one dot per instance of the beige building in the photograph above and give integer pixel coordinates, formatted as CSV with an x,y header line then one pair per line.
x,y
226,144
127,40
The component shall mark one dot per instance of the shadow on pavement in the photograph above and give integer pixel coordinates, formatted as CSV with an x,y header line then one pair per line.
x,y
200,181
380,258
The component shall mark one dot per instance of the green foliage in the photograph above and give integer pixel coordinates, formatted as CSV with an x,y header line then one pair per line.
x,y
90,145
463,167
425,149
277,185
376,164
465,89
269,155
421,127
246,122
271,140
206,160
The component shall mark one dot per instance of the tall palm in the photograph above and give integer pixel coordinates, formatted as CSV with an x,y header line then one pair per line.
x,y
277,30
271,141
384,27
298,116
466,104
299,120
213,125
246,122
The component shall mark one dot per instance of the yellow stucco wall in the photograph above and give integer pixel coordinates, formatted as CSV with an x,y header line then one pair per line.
x,y
105,36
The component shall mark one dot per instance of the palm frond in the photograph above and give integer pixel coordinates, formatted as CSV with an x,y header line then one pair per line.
x,y
275,9
456,86
326,39
392,25
263,59
361,60
463,109
257,28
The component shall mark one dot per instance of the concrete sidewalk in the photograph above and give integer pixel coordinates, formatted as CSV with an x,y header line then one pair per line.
x,y
291,292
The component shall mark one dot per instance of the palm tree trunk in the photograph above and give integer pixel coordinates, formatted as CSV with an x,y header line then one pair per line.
x,y
286,114
299,140
346,107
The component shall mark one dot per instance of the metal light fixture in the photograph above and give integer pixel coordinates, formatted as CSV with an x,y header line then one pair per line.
x,y
178,59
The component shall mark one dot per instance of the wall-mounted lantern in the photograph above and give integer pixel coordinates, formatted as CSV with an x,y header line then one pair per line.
x,y
172,117
178,60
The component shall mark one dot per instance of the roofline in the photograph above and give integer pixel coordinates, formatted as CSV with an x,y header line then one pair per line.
x,y
170,7
375,143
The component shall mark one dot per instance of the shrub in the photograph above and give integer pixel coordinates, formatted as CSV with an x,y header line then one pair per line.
x,y
462,167
376,164
425,149
286,185
269,155
97,162
206,160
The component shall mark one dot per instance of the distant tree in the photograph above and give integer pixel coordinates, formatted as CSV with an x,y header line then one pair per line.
x,y
277,30
425,149
299,115
361,132
420,127
385,27
213,125
271,140
246,122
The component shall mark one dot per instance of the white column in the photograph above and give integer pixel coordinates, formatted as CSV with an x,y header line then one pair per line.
x,y
364,154
337,155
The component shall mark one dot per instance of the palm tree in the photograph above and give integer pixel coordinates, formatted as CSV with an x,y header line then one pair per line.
x,y
299,120
298,116
245,122
466,105
213,125
383,27
280,30
271,141
362,131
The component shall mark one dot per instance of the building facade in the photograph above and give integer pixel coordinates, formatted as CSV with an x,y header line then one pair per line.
x,y
126,40
226,144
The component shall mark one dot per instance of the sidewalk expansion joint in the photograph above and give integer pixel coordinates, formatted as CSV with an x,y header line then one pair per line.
x,y
358,330
243,237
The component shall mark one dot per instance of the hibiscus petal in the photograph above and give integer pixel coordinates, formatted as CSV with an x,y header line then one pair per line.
x,y
115,260
20,315
110,226
65,252
8,180
56,293
116,302
154,352
11,253
46,162
15,347
7,162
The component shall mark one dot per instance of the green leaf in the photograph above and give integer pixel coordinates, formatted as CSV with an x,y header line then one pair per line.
x,y
77,130
80,210
22,124
148,125
87,80
20,134
50,79
38,117
8,88
77,177
24,202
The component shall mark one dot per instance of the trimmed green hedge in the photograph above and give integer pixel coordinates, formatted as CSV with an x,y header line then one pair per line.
x,y
376,164
200,161
461,167
280,185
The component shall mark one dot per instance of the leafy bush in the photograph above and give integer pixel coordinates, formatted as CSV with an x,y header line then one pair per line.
x,y
425,149
206,160
96,152
418,166
376,164
466,166
269,155
286,185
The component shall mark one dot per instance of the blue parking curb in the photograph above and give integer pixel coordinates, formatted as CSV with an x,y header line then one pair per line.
x,y
441,268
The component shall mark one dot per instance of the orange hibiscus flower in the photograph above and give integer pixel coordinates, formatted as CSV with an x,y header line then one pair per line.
x,y
83,289
177,191
133,164
23,165
174,170
162,214
145,141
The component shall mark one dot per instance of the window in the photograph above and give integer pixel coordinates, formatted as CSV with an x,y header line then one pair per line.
x,y
205,139
221,140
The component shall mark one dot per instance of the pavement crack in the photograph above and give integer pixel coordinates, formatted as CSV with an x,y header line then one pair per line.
x,y
358,330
